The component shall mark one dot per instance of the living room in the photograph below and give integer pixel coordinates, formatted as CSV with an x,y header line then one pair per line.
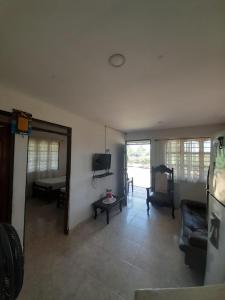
x,y
108,73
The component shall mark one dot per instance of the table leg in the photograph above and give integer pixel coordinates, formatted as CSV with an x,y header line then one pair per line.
x,y
147,202
121,206
96,213
107,216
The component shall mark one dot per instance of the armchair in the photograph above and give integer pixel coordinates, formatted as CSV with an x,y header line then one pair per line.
x,y
194,233
161,193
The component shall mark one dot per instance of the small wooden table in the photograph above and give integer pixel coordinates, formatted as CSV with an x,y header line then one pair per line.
x,y
106,207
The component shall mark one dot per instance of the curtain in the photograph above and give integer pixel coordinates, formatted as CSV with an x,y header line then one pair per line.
x,y
43,155
43,160
158,152
190,158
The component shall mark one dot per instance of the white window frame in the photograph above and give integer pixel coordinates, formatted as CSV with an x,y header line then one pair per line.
x,y
188,165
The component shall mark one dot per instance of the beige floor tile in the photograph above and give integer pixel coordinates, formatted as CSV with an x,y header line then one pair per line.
x,y
92,289
99,261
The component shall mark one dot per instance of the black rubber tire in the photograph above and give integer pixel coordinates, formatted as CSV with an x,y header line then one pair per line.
x,y
18,258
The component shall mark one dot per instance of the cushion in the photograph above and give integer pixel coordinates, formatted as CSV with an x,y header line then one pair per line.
x,y
160,199
194,221
198,238
194,225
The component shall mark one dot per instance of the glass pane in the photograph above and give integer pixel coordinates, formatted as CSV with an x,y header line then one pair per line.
x,y
54,155
173,155
32,155
191,146
207,146
43,155
193,162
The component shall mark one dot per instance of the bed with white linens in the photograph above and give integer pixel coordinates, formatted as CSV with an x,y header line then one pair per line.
x,y
48,185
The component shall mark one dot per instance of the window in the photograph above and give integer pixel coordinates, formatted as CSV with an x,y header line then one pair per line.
x,y
43,155
189,158
32,157
54,155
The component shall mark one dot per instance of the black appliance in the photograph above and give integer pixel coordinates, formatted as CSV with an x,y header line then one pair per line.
x,y
101,161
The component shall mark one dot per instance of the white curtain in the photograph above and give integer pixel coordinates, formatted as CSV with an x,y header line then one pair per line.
x,y
43,155
158,152
43,160
190,158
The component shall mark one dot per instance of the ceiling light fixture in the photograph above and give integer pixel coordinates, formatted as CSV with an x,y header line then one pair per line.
x,y
117,60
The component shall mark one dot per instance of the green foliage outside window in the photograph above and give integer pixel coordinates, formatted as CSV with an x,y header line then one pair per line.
x,y
138,156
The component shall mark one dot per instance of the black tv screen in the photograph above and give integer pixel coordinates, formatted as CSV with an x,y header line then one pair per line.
x,y
101,162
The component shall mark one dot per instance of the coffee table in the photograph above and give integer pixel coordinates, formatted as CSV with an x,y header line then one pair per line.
x,y
99,204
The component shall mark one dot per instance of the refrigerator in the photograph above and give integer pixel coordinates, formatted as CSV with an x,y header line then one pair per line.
x,y
215,266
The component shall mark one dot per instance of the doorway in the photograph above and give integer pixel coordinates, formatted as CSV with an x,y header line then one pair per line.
x,y
48,180
6,167
139,163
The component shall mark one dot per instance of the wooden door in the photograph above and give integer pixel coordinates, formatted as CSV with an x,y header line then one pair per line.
x,y
5,173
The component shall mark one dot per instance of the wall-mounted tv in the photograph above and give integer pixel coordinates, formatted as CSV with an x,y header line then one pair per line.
x,y
101,161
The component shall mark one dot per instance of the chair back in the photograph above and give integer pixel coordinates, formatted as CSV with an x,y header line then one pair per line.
x,y
162,179
127,177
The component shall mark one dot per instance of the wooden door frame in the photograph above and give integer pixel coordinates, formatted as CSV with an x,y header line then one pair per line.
x,y
68,174
68,134
7,122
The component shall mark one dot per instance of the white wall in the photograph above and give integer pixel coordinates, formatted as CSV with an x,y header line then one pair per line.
x,y
88,137
20,166
183,189
182,132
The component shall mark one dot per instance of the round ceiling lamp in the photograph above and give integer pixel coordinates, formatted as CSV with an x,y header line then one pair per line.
x,y
117,60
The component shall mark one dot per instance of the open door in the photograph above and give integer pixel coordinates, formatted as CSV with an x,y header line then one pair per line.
x,y
48,177
6,166
138,162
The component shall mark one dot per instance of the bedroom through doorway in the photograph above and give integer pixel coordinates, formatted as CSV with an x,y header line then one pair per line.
x,y
48,181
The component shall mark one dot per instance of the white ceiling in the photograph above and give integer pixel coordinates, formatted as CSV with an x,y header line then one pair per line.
x,y
175,58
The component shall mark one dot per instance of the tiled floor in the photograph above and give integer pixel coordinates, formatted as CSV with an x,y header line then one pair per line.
x,y
103,262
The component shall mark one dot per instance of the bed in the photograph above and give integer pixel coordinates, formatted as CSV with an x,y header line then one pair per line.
x,y
48,187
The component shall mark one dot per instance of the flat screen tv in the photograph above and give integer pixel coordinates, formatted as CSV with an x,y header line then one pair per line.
x,y
101,162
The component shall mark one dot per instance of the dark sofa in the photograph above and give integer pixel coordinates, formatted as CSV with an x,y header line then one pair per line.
x,y
194,232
